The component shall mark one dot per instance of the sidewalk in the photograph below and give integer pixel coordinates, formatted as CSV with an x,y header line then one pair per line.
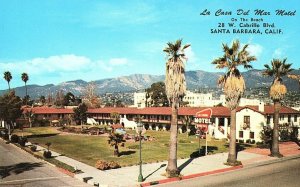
x,y
190,168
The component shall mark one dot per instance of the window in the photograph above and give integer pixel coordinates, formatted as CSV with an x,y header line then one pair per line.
x,y
268,119
251,135
241,134
281,117
246,122
295,118
289,118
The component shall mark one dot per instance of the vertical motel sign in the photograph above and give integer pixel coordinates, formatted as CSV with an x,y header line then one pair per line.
x,y
202,119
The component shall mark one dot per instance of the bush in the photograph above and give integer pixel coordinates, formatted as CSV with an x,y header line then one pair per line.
x,y
104,165
284,135
248,141
47,154
22,141
113,165
14,138
33,148
252,141
241,141
5,135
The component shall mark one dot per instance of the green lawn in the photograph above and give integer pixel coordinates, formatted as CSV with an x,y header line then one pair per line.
x,y
36,131
89,149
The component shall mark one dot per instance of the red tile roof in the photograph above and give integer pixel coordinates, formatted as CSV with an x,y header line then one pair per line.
x,y
216,111
269,109
49,110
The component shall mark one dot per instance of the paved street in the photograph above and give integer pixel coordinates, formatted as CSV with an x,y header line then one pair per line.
x,y
285,173
18,168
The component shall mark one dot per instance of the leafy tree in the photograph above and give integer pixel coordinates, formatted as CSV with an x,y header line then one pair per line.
x,y
80,113
91,99
119,103
69,99
59,99
10,109
115,116
42,99
234,86
27,101
25,78
175,90
30,116
277,70
156,95
7,77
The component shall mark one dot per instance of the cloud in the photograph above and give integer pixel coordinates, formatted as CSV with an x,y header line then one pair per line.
x,y
190,55
255,50
278,53
61,63
59,68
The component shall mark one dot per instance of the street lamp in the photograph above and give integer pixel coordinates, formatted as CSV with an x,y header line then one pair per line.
x,y
140,129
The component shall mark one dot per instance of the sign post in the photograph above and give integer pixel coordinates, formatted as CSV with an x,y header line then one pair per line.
x,y
202,120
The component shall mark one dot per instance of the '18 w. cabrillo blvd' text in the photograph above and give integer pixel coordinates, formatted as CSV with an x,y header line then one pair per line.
x,y
246,31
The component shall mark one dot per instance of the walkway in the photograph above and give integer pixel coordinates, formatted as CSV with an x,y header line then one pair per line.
x,y
153,173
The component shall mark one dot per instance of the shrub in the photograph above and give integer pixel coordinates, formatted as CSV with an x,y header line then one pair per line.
x,y
241,141
284,135
5,135
104,165
22,141
33,148
47,154
113,165
248,141
252,141
14,138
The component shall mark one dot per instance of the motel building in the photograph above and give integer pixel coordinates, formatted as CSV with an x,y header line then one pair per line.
x,y
249,119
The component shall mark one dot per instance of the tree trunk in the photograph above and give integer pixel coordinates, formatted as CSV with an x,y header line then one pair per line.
x,y
275,139
232,143
26,90
172,170
26,94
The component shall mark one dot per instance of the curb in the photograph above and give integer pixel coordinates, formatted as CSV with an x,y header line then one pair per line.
x,y
191,176
220,171
268,162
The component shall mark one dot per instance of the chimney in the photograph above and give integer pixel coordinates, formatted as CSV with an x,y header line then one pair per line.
x,y
261,106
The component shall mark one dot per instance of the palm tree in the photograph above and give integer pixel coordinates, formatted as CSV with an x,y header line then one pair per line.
x,y
7,77
175,90
278,69
233,85
25,78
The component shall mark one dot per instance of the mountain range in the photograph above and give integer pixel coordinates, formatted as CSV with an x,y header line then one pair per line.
x,y
195,80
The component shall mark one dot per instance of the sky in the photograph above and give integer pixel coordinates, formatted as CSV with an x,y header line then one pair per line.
x,y
56,41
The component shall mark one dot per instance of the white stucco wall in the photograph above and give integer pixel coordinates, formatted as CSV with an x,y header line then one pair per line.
x,y
285,119
256,121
